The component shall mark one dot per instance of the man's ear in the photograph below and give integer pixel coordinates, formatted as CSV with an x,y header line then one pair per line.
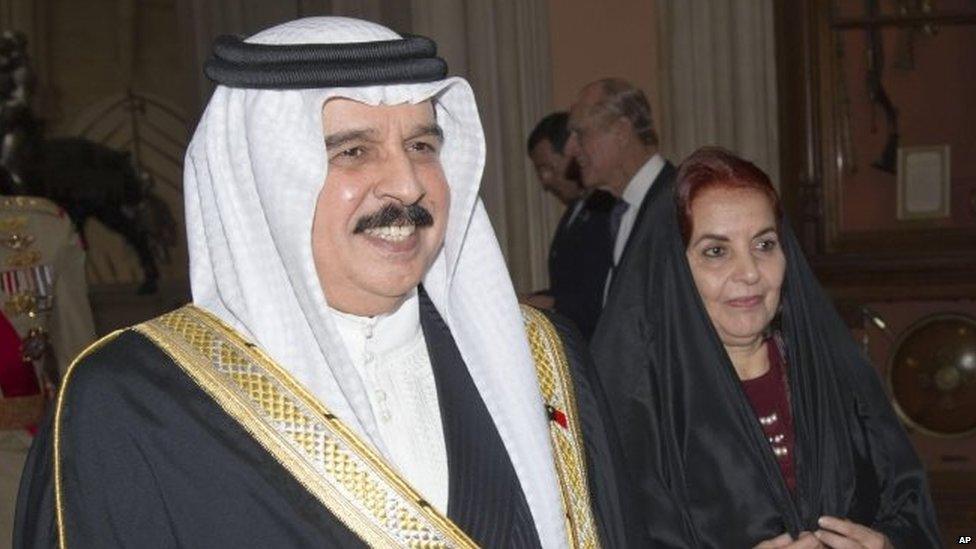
x,y
622,129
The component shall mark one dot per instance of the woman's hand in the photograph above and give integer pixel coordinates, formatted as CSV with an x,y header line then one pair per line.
x,y
843,534
806,540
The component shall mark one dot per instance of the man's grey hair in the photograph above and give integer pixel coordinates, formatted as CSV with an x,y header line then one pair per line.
x,y
621,98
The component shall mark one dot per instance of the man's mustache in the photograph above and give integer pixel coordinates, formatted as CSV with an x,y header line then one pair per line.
x,y
395,215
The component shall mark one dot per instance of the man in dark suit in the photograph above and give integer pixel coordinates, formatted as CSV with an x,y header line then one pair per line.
x,y
579,256
613,140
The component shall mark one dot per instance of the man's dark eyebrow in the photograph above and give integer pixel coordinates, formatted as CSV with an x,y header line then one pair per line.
x,y
340,138
427,130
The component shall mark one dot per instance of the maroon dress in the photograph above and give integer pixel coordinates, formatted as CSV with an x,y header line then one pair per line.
x,y
769,396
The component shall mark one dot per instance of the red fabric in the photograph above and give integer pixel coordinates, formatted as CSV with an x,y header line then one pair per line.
x,y
558,416
768,395
17,376
560,419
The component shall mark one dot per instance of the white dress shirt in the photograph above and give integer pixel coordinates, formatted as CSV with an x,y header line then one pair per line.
x,y
633,194
390,354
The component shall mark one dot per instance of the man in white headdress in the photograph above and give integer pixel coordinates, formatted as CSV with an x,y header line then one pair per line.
x,y
354,369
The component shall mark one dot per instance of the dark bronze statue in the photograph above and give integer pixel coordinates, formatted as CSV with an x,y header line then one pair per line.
x,y
91,180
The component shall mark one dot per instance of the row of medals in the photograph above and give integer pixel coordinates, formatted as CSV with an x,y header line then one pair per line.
x,y
23,301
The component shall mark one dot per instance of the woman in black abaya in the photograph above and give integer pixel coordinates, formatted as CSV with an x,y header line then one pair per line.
x,y
755,420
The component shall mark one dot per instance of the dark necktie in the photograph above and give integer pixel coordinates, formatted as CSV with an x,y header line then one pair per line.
x,y
616,215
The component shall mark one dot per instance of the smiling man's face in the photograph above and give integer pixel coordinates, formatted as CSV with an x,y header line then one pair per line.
x,y
381,215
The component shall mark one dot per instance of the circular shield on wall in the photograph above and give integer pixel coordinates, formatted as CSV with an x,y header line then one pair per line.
x,y
932,375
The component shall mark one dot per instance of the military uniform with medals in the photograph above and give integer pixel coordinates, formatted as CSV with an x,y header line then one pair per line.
x,y
45,320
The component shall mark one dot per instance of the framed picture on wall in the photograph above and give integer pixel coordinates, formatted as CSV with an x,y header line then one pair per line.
x,y
923,182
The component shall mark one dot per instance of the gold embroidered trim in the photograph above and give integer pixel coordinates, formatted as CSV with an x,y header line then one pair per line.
x,y
27,258
16,241
324,455
29,203
556,384
11,224
58,415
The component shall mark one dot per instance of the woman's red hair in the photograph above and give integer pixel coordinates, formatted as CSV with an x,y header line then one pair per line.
x,y
715,167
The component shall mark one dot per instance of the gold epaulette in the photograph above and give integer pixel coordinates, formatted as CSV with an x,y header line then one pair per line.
x,y
565,433
29,204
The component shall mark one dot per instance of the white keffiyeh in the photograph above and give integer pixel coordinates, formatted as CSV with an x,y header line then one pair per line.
x,y
254,170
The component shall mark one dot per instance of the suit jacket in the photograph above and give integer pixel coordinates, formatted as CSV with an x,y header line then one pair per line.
x,y
579,259
636,251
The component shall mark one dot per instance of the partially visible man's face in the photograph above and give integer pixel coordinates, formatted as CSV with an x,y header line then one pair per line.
x,y
381,215
592,141
551,168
